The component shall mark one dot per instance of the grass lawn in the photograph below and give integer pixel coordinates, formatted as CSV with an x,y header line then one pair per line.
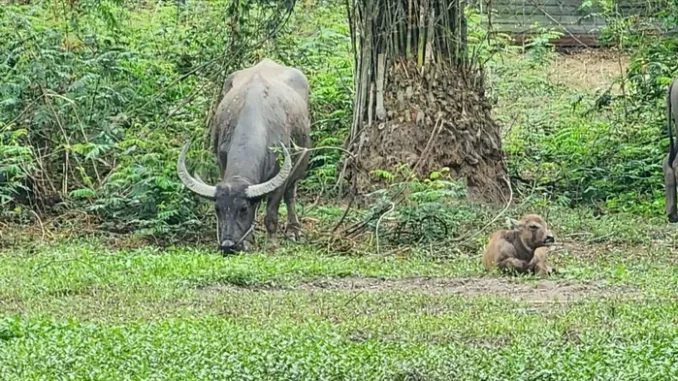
x,y
85,310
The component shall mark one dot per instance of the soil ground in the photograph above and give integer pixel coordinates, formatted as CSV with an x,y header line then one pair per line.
x,y
589,70
537,292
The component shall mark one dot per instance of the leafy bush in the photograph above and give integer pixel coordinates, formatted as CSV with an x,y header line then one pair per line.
x,y
649,35
98,97
574,150
91,94
16,163
317,40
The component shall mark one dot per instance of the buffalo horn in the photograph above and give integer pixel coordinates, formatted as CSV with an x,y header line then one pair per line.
x,y
269,186
197,186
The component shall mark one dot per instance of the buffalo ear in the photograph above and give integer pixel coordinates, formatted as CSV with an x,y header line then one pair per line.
x,y
513,224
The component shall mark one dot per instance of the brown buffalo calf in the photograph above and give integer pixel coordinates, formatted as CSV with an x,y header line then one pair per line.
x,y
521,249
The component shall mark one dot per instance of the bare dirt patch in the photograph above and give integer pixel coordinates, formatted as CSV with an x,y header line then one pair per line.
x,y
544,290
539,291
589,69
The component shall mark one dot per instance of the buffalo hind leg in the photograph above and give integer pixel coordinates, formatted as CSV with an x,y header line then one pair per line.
x,y
293,228
271,218
670,189
515,266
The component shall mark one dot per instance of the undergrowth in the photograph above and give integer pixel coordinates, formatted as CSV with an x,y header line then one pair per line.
x,y
97,97
595,147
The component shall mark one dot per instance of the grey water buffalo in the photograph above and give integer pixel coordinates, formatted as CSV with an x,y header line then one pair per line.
x,y
669,164
263,107
521,249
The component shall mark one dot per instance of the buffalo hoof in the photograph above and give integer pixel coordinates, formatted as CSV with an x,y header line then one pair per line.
x,y
247,247
272,244
545,271
297,237
293,233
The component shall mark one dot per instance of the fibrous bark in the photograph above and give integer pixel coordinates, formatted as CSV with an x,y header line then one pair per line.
x,y
419,101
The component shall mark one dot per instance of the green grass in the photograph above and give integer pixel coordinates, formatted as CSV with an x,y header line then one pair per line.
x,y
84,310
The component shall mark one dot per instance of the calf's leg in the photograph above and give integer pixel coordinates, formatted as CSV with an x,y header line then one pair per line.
x,y
514,265
539,264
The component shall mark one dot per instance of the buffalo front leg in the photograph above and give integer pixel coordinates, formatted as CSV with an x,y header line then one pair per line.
x,y
248,243
515,266
670,189
293,228
271,219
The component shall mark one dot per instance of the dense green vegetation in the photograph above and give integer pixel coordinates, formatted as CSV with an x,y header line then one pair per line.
x,y
95,101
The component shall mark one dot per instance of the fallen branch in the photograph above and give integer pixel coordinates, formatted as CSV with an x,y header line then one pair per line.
x,y
343,216
42,227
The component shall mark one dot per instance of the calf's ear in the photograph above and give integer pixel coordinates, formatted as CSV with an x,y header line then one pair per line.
x,y
512,224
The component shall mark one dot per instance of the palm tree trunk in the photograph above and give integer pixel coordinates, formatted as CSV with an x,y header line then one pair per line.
x,y
419,101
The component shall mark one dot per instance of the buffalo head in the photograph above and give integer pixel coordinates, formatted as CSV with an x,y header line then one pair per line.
x,y
235,199
533,231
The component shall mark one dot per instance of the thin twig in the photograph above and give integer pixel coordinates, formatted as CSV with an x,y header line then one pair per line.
x,y
315,202
558,23
376,230
343,216
324,147
503,211
65,261
353,298
42,227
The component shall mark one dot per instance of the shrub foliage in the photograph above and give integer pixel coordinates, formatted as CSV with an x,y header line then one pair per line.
x,y
96,98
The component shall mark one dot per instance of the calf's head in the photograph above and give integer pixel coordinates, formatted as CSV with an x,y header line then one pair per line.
x,y
533,231
235,200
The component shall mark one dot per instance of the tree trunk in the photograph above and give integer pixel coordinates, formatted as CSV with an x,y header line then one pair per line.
x,y
418,101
